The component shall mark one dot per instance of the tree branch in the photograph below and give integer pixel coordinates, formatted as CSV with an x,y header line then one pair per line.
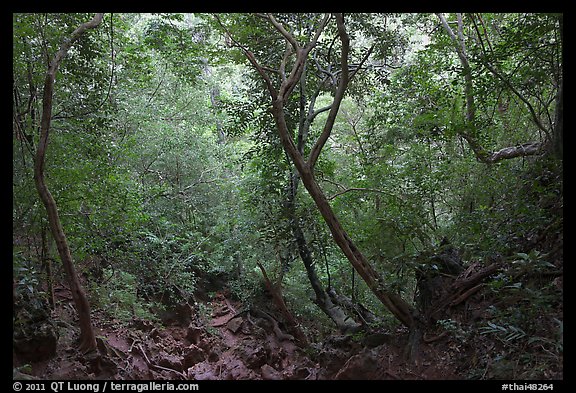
x,y
356,189
87,337
526,149
461,51
289,37
301,56
282,69
250,56
338,96
359,66
523,150
535,118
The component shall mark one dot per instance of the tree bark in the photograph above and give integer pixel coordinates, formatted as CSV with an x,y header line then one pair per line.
x,y
558,134
397,306
559,116
46,262
87,337
329,306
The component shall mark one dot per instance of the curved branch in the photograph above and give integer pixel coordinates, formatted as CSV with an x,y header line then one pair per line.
x,y
523,150
289,37
301,57
338,96
533,114
250,56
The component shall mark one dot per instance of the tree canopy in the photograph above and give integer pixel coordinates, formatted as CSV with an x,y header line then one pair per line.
x,y
317,175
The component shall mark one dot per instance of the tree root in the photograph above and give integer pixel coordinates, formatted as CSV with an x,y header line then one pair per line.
x,y
155,366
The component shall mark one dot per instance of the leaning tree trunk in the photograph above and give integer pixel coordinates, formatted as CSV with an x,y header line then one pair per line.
x,y
87,337
305,167
397,306
323,300
333,310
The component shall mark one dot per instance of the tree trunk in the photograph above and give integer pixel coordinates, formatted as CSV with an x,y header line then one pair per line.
x,y
275,292
87,337
46,262
523,150
336,313
559,116
399,308
559,123
329,306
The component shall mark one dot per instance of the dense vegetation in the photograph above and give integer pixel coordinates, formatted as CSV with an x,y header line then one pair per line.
x,y
324,165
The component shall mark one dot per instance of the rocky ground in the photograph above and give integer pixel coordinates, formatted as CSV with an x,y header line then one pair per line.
x,y
233,344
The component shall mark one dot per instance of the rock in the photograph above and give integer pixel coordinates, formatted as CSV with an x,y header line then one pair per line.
x,y
170,361
193,334
269,373
235,324
376,339
237,370
142,324
361,366
301,373
253,354
34,332
201,372
213,356
39,346
192,356
179,315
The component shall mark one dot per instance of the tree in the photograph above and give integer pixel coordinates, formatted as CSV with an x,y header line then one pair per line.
x,y
87,336
489,58
280,83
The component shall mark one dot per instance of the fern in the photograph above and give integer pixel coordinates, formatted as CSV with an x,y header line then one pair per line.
x,y
506,333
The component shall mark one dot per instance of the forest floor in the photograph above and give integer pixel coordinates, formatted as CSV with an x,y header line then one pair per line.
x,y
234,344
219,337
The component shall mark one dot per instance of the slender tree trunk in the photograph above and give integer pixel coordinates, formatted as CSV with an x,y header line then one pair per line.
x,y
469,133
87,337
333,310
276,293
329,306
558,134
559,116
397,306
402,310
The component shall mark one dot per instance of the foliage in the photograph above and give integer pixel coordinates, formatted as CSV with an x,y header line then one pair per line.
x,y
166,164
118,297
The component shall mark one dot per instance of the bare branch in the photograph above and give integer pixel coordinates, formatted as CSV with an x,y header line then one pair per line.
x,y
523,150
359,65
